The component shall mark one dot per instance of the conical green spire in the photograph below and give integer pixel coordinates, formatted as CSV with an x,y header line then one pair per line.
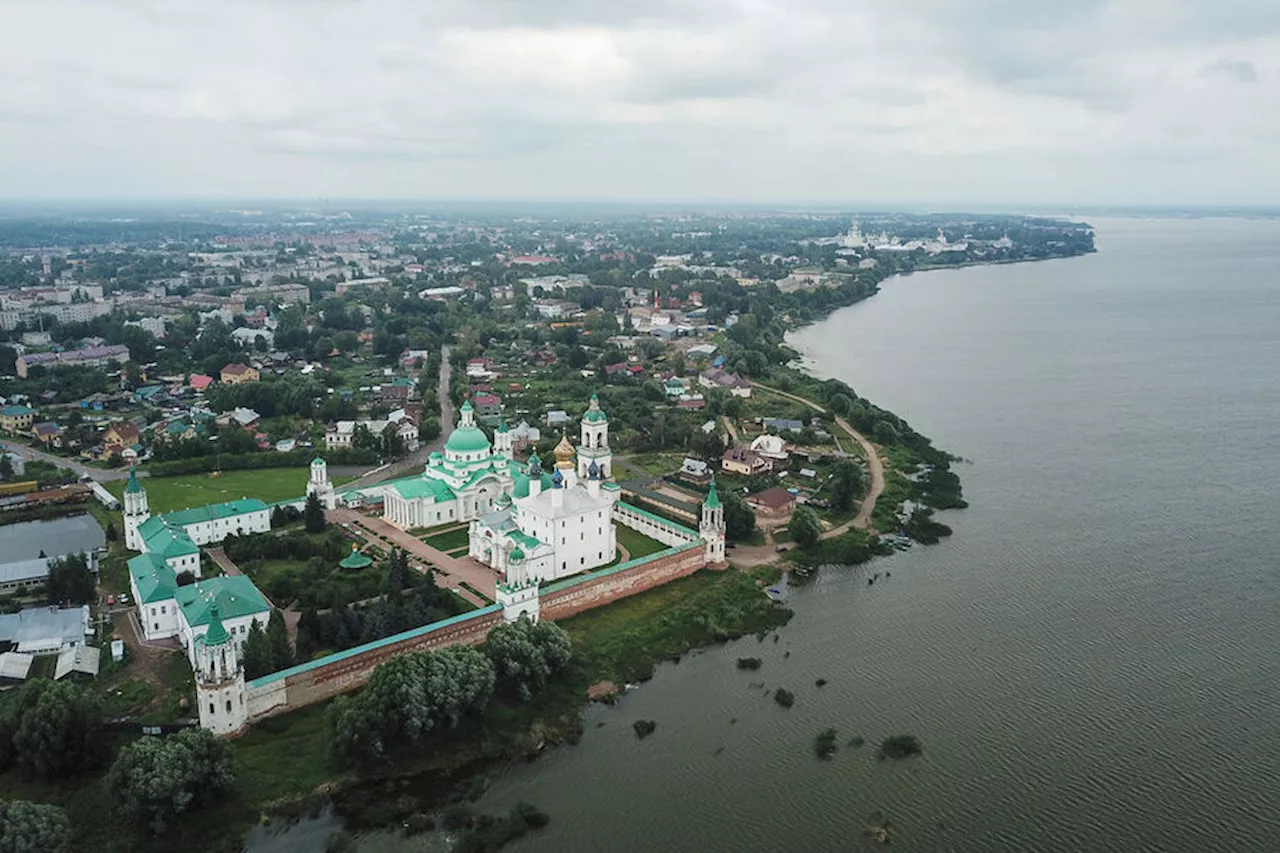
x,y
502,423
134,486
216,635
713,499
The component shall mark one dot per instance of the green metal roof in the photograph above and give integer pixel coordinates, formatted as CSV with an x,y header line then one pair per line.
x,y
595,416
467,439
423,487
134,486
17,411
235,595
199,514
217,634
355,560
524,539
153,578
168,541
517,554
713,499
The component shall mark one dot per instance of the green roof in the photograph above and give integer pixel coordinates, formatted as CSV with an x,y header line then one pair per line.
x,y
153,578
713,499
217,634
134,486
355,560
17,411
502,423
521,487
467,439
524,539
166,541
595,415
424,487
199,514
235,596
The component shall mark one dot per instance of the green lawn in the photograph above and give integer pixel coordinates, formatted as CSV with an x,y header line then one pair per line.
x,y
165,494
450,541
638,544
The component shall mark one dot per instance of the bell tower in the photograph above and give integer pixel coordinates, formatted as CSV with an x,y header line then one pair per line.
x,y
320,485
136,511
595,441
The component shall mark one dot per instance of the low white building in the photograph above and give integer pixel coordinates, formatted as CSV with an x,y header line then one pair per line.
x,y
770,447
166,609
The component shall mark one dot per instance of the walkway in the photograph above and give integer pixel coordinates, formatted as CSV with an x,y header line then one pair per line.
x,y
222,561
452,570
102,475
418,458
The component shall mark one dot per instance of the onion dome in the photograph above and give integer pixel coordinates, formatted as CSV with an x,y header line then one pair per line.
x,y
564,453
593,471
535,465
516,555
557,479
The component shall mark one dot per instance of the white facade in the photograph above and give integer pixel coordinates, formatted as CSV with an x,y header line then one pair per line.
x,y
136,511
220,694
320,485
594,446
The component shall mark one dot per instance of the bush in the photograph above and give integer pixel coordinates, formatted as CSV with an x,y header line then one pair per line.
x,y
824,745
784,697
33,828
644,728
51,729
750,663
900,746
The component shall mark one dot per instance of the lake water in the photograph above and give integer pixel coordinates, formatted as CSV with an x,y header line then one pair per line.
x,y
54,536
1092,662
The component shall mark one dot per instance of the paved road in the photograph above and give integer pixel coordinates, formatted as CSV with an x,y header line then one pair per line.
x,y
102,475
453,570
418,458
223,562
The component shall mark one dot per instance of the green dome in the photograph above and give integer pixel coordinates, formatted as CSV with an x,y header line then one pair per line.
x,y
517,554
594,415
467,440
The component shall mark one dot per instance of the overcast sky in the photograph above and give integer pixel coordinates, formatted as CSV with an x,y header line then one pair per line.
x,y
909,101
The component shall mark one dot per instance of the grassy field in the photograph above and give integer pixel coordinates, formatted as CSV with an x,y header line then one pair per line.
x,y
637,544
165,494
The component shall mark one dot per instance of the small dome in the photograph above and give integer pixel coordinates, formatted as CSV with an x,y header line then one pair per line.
x,y
517,554
593,470
557,479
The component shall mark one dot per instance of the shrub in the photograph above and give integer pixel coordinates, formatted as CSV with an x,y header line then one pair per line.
x,y
900,746
750,663
824,745
784,697
644,728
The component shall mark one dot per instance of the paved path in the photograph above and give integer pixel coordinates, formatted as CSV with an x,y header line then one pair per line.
x,y
417,458
102,475
453,570
223,562
728,424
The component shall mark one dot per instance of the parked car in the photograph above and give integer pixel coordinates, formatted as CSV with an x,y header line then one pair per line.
x,y
124,599
111,599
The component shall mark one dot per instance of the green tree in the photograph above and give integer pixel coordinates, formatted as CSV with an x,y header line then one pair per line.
x,y
313,515
739,519
33,828
6,467
847,482
155,779
278,642
309,634
841,404
805,528
257,652
526,654
52,729
70,580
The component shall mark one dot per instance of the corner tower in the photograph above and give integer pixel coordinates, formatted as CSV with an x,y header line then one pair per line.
x,y
595,441
136,511
711,527
219,679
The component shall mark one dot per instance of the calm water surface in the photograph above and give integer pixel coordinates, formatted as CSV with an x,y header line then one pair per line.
x,y
55,536
1092,661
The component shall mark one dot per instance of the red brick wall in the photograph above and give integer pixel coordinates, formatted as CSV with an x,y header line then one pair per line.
x,y
323,682
594,593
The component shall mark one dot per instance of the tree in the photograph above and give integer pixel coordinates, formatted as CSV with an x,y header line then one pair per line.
x,y
70,580
805,528
841,404
309,634
525,655
185,578
33,828
111,533
847,482
398,577
52,729
154,779
313,514
257,652
6,467
278,642
739,519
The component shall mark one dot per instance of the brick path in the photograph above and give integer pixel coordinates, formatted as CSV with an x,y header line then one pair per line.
x,y
452,570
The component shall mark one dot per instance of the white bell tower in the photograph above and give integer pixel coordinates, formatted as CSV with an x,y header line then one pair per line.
x,y
594,446
136,511
502,439
711,527
220,693
320,485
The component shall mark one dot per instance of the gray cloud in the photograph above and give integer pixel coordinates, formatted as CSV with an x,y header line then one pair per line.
x,y
837,100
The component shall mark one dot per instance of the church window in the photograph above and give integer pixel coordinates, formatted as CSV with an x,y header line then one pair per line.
x,y
212,708
582,561
228,706
157,626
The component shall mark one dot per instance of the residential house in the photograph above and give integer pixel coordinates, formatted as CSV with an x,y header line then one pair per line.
x,y
17,418
525,436
398,390
488,406
770,447
199,382
119,436
744,461
237,373
731,382
47,433
695,402
243,417
782,423
177,431
775,502
695,471
557,417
